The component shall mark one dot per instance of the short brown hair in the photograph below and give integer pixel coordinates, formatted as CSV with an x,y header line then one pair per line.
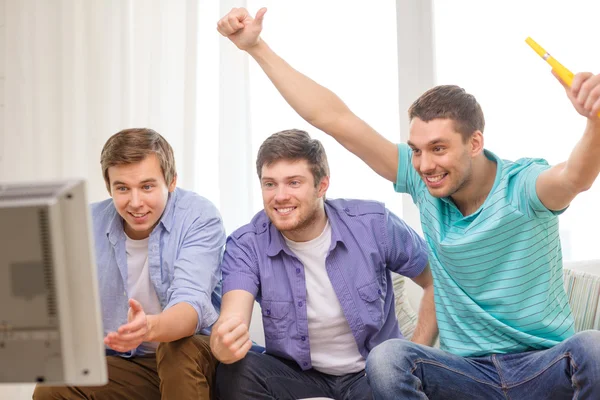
x,y
293,144
134,145
452,102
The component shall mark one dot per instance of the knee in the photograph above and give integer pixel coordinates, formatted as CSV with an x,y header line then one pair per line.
x,y
191,353
47,393
174,353
586,344
246,372
389,360
242,369
172,350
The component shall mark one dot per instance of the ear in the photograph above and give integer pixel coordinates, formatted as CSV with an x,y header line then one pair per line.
x,y
173,184
476,143
323,186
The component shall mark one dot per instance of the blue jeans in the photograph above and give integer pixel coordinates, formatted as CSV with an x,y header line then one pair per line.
x,y
399,369
262,376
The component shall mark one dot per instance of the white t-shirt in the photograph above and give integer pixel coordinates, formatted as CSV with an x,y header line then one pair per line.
x,y
333,349
138,282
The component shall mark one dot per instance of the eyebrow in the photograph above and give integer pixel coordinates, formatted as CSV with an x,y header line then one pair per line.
x,y
149,180
431,143
284,178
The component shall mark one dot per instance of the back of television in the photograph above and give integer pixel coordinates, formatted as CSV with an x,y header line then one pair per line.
x,y
50,326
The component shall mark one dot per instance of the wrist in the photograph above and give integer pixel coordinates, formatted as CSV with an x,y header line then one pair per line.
x,y
593,123
257,49
152,327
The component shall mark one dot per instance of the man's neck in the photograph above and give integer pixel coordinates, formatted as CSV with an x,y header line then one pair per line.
x,y
470,198
311,231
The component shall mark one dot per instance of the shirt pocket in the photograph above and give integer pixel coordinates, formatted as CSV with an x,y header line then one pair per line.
x,y
372,297
275,318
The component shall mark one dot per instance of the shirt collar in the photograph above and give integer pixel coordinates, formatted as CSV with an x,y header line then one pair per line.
x,y
169,214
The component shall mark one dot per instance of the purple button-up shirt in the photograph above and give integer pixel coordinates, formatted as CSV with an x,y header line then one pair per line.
x,y
367,241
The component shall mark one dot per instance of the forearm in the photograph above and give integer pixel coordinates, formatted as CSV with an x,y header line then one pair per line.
x,y
172,324
316,104
427,330
323,109
583,165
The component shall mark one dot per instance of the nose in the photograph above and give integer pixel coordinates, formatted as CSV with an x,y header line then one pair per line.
x,y
281,195
135,200
426,163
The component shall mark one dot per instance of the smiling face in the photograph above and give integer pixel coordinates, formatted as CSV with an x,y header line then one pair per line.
x,y
140,193
441,156
291,200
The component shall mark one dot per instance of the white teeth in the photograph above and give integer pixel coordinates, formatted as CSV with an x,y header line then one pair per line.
x,y
137,215
435,178
285,210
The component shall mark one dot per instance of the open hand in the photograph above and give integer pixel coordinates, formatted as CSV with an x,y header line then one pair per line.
x,y
133,333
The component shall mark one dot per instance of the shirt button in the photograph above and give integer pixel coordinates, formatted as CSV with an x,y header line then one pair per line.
x,y
264,224
379,291
299,304
305,363
268,312
303,338
347,209
297,270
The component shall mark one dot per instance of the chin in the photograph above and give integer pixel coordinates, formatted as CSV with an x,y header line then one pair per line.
x,y
285,226
439,193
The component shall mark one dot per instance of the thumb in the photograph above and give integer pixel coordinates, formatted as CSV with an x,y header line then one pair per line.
x,y
135,306
260,15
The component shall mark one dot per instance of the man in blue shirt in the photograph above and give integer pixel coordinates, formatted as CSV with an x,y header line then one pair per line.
x,y
320,270
158,250
491,226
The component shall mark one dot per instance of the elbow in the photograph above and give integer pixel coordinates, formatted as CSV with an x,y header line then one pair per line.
x,y
329,121
576,180
579,186
584,188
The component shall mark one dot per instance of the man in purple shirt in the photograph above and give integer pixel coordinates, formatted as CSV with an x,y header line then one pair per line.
x,y
320,270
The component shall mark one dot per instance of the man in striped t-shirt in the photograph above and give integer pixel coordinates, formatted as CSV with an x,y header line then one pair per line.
x,y
491,226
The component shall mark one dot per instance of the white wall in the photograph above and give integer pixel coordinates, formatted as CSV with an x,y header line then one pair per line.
x,y
106,65
77,72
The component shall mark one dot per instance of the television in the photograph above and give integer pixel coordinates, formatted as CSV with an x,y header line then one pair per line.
x,y
50,319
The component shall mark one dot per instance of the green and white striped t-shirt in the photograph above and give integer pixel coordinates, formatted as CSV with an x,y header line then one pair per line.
x,y
497,272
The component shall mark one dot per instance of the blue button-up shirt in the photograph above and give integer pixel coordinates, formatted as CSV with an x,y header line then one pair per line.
x,y
184,253
367,241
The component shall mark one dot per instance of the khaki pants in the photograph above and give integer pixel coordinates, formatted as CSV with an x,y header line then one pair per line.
x,y
184,369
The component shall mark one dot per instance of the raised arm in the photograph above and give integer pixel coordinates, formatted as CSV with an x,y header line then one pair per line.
x,y
558,186
317,105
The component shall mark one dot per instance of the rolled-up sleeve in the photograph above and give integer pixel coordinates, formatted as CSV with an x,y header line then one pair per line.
x,y
240,266
406,251
196,270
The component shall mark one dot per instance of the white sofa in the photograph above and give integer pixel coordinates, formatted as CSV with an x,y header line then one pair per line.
x,y
586,311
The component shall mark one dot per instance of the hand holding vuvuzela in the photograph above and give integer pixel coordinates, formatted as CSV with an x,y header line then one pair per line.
x,y
583,89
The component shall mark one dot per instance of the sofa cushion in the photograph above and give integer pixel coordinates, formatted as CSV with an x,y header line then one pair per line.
x,y
583,292
407,318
